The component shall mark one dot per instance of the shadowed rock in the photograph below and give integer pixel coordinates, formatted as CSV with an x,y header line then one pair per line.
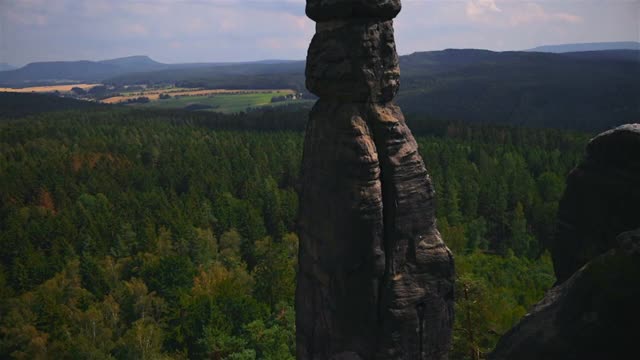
x,y
375,279
601,200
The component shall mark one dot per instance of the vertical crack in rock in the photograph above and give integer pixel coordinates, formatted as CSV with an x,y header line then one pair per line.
x,y
375,279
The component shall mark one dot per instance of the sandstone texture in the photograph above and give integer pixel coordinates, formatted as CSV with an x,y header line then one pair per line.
x,y
593,311
375,279
354,62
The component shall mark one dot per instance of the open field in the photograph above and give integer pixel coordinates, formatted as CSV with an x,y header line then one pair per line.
x,y
219,100
154,94
223,102
200,91
52,88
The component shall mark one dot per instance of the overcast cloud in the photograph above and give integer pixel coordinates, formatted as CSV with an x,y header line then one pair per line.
x,y
243,30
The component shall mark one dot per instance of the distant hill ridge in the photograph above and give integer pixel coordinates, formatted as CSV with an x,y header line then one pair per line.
x,y
83,70
6,67
135,63
589,90
579,90
141,68
46,72
596,46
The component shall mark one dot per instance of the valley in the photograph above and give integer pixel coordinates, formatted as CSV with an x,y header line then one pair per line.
x,y
172,97
586,90
156,210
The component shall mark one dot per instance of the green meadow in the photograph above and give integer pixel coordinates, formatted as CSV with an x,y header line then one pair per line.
x,y
225,103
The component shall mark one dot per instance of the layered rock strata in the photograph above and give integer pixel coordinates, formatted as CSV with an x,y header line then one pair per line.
x,y
375,279
593,310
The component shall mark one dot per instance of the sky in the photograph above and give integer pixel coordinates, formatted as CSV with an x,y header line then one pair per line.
x,y
177,31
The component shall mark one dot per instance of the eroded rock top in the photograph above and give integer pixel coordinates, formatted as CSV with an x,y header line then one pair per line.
x,y
326,10
618,147
600,201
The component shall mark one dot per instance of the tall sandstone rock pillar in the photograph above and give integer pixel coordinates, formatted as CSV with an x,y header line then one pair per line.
x,y
375,279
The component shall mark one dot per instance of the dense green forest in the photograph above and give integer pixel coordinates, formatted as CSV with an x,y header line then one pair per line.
x,y
147,235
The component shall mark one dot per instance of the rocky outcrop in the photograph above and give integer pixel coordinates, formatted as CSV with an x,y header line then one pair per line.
x,y
592,315
375,279
593,310
601,200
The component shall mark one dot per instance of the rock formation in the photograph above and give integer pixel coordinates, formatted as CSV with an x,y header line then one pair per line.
x,y
375,279
601,200
592,315
593,311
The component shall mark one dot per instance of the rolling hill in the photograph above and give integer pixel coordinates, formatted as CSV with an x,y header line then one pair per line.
x,y
582,90
79,71
591,90
6,67
135,63
599,46
133,69
257,75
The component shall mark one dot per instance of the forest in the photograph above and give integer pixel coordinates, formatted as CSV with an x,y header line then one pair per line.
x,y
158,234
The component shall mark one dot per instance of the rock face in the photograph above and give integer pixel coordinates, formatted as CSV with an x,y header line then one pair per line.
x,y
601,200
375,279
353,62
591,314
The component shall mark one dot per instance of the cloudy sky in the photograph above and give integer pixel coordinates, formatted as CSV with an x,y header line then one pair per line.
x,y
242,30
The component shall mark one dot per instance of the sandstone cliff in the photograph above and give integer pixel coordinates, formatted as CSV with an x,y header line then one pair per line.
x,y
375,279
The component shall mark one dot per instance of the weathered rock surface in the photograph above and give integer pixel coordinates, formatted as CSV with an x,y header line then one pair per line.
x,y
591,314
601,200
353,61
375,279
